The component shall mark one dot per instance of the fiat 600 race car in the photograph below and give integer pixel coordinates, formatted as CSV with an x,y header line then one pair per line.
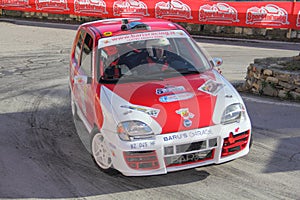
x,y
151,100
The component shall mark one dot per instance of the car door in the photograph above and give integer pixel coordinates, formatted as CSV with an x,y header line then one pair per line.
x,y
82,66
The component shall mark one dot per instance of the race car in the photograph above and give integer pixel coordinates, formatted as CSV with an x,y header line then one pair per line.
x,y
218,12
173,9
267,14
150,99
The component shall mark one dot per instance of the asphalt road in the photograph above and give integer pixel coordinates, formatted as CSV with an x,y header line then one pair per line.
x,y
41,156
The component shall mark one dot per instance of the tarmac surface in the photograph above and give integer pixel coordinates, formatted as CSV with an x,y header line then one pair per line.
x,y
41,155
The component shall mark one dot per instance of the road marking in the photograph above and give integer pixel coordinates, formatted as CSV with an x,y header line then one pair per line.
x,y
270,101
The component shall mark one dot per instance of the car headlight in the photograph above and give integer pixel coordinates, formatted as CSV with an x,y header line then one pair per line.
x,y
233,113
129,130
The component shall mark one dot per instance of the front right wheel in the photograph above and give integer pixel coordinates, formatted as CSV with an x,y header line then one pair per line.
x,y
101,152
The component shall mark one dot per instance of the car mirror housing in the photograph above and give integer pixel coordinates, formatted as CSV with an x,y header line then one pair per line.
x,y
217,62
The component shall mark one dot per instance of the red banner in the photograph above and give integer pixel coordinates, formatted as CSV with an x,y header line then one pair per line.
x,y
246,14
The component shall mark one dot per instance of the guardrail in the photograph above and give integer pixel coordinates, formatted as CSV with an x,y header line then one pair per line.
x,y
256,14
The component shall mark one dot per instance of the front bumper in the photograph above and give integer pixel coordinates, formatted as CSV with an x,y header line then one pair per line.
x,y
181,150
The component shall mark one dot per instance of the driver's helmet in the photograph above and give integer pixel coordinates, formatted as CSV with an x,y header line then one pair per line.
x,y
152,45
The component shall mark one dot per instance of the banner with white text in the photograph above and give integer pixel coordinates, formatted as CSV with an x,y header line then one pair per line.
x,y
260,14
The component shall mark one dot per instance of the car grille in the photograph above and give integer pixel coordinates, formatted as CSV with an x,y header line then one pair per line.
x,y
184,154
141,160
235,143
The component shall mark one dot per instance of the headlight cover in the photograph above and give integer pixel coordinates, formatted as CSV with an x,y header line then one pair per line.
x,y
130,130
233,113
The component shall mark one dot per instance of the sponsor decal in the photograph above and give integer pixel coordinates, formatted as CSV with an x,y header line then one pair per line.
x,y
15,3
172,9
175,137
176,97
186,115
53,5
90,6
192,157
130,7
170,89
267,14
200,132
188,134
211,87
221,12
80,79
103,42
150,111
142,145
108,33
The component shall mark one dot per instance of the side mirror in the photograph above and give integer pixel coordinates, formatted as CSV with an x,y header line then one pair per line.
x,y
82,79
217,62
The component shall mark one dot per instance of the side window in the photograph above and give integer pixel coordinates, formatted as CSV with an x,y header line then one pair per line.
x,y
86,57
78,47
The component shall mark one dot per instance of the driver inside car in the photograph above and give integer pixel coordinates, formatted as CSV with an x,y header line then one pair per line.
x,y
114,68
157,52
110,53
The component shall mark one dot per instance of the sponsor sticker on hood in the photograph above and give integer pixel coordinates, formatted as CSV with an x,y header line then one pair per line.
x,y
186,115
176,97
211,87
169,89
150,111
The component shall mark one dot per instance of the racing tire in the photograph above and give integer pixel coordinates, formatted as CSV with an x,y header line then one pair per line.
x,y
101,153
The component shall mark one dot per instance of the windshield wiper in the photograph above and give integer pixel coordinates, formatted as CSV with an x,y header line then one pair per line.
x,y
189,71
139,78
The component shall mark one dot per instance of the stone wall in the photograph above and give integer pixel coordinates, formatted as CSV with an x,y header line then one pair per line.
x,y
276,77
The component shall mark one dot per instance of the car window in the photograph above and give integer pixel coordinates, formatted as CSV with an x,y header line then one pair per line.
x,y
86,57
78,47
151,56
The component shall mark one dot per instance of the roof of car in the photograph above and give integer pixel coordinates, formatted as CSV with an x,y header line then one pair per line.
x,y
110,27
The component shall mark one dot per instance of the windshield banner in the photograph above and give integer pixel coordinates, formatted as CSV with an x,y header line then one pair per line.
x,y
261,14
103,42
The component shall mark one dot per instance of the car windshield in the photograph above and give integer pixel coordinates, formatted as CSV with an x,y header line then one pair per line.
x,y
149,56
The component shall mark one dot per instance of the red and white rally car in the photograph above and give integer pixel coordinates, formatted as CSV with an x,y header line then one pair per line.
x,y
151,100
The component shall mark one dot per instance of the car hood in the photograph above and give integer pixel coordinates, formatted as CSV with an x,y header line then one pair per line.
x,y
172,105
